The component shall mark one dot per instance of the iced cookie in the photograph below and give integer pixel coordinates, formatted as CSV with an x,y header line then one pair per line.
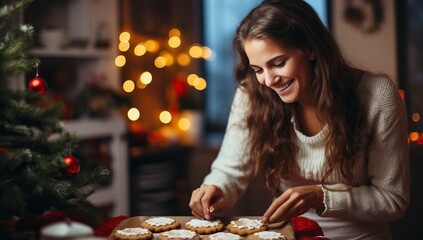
x,y
266,235
222,236
133,234
202,226
160,224
179,234
246,226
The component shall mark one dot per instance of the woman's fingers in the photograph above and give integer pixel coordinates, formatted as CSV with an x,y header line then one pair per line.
x,y
294,202
196,203
205,200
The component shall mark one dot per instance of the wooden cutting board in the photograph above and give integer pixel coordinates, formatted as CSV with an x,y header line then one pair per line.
x,y
284,227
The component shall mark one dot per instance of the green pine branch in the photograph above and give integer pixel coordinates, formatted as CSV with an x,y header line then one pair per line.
x,y
9,8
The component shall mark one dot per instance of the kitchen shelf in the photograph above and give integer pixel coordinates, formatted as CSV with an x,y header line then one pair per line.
x,y
115,194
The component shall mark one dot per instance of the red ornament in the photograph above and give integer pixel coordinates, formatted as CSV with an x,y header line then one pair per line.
x,y
2,149
72,165
38,85
180,87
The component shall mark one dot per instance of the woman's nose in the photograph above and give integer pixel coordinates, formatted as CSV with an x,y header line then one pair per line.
x,y
269,78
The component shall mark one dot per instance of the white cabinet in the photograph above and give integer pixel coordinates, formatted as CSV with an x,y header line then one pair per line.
x,y
115,194
76,41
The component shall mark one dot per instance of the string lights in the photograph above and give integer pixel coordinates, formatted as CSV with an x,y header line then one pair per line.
x,y
164,54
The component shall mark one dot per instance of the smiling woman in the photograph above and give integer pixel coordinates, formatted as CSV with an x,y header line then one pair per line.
x,y
325,135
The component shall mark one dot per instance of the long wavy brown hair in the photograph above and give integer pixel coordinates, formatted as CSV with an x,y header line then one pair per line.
x,y
272,149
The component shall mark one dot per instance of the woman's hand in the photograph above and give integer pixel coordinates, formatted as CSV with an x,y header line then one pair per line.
x,y
205,200
294,202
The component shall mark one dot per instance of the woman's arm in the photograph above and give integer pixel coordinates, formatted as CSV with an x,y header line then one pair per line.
x,y
386,196
229,171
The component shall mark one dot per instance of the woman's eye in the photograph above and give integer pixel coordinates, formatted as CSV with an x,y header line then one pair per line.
x,y
280,64
257,70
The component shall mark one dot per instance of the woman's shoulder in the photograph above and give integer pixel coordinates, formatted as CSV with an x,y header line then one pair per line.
x,y
377,85
379,93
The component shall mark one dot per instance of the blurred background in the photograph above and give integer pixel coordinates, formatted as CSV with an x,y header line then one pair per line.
x,y
147,86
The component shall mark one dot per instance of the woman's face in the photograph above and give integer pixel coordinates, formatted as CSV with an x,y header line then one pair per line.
x,y
288,71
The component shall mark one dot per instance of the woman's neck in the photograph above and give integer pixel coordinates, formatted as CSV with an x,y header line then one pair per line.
x,y
307,119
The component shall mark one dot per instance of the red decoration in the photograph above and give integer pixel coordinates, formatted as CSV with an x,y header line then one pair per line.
x,y
38,85
180,87
2,149
306,229
72,165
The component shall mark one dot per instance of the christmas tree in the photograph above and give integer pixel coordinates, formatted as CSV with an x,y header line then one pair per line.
x,y
38,174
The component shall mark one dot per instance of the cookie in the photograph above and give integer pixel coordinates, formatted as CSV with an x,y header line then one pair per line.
x,y
202,226
160,224
266,235
136,233
246,226
179,234
222,236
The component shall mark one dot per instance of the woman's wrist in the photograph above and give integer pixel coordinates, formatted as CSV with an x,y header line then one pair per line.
x,y
319,204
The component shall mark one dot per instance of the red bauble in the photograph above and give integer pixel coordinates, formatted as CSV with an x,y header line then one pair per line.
x,y
72,165
38,85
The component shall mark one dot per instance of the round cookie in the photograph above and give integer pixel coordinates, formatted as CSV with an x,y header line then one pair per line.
x,y
160,224
266,235
133,234
202,226
246,226
179,234
222,236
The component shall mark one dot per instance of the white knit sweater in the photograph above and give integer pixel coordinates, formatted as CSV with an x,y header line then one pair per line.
x,y
380,191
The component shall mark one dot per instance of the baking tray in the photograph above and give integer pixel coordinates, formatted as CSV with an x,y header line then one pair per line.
x,y
284,227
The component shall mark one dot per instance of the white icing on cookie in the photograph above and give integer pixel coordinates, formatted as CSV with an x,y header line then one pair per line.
x,y
132,231
224,236
269,235
160,221
180,233
247,223
203,223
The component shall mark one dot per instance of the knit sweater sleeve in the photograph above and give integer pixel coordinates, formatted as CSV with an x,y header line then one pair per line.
x,y
386,195
229,171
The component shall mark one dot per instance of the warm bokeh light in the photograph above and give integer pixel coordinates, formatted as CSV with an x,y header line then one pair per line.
x,y
124,37
140,85
191,79
184,124
183,59
174,42
152,45
402,93
133,114
146,77
165,117
168,58
200,84
174,32
120,61
415,117
128,86
196,51
207,52
124,46
160,62
140,49
414,136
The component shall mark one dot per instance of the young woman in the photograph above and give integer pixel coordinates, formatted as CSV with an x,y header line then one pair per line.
x,y
329,139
